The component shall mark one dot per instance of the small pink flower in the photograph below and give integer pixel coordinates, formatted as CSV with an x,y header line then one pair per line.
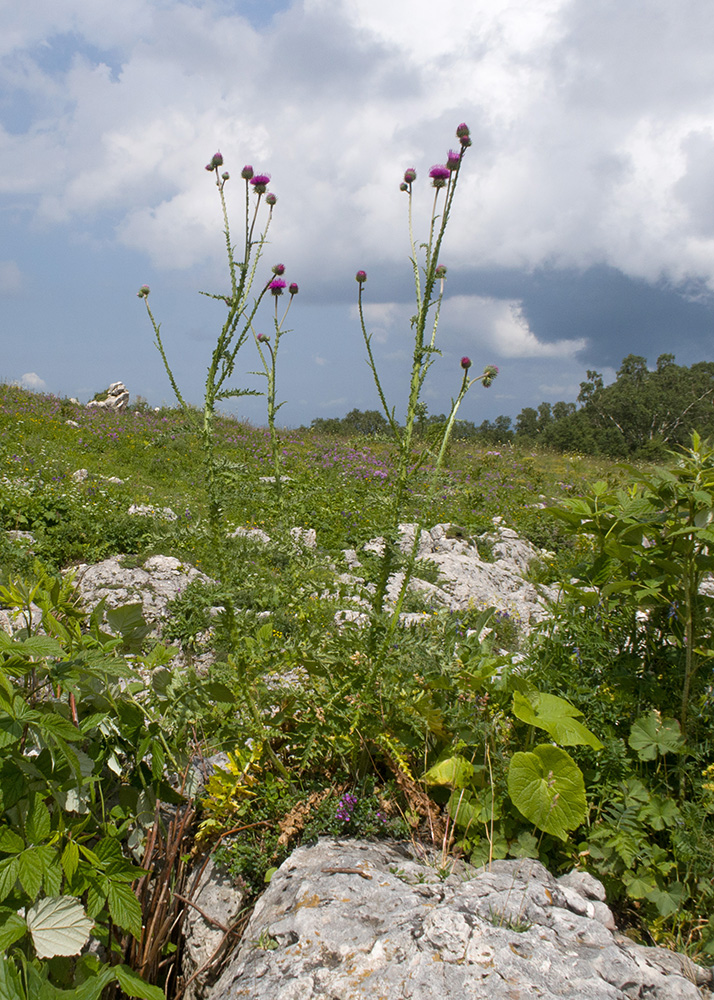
x,y
277,285
361,277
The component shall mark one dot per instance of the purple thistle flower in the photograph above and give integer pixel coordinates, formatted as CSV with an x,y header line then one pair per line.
x,y
466,363
279,269
216,161
247,172
453,160
462,131
361,277
277,285
260,183
439,175
410,175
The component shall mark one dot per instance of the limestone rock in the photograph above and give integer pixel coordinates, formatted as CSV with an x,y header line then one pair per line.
x,y
146,510
154,583
117,398
218,902
355,920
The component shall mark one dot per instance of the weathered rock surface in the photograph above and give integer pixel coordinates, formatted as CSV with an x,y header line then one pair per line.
x,y
465,579
153,584
346,920
117,398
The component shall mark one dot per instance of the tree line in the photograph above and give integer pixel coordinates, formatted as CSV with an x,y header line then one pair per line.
x,y
642,414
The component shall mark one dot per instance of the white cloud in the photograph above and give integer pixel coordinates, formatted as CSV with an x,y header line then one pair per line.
x,y
501,326
31,380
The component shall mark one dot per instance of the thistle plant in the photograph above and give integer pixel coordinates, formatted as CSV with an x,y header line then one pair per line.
x,y
429,283
276,287
237,326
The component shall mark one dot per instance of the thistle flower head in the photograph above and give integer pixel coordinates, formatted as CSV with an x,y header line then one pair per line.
x,y
489,374
277,285
462,131
440,272
453,159
293,289
466,363
262,339
404,186
225,176
279,269
247,172
439,175
143,292
409,175
361,277
260,182
270,199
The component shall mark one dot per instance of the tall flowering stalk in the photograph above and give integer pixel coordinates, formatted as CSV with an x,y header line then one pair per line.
x,y
276,287
241,312
429,282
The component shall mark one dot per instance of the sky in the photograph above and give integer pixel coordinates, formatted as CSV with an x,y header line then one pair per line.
x,y
582,227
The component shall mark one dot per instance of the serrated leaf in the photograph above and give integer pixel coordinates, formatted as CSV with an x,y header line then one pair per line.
x,y
10,731
10,841
70,859
29,872
59,926
10,982
455,772
12,928
547,786
9,869
133,986
124,908
466,808
652,735
38,822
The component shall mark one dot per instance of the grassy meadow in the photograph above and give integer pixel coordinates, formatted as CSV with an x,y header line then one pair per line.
x,y
316,740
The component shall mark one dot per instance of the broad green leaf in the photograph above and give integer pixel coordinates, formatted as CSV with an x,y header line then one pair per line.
x,y
133,986
10,841
70,859
124,908
670,900
456,772
38,822
12,928
9,869
59,926
10,731
660,812
547,786
30,872
651,735
466,808
10,981
557,717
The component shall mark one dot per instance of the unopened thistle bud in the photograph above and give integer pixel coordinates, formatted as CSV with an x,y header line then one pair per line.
x,y
143,292
409,175
293,288
403,186
216,161
489,374
225,176
247,172
440,272
361,277
279,269
262,339
462,131
270,199
465,363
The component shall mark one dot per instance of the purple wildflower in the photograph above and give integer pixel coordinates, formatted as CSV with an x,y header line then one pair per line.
x,y
260,182
410,175
277,285
453,159
439,175
216,161
247,172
